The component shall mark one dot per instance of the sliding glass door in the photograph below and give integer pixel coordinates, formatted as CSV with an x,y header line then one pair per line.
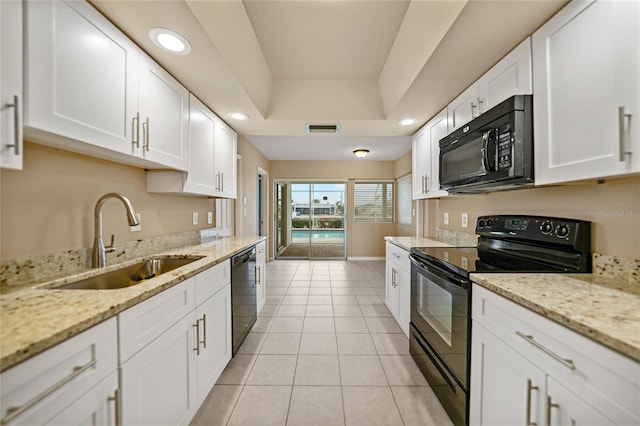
x,y
313,221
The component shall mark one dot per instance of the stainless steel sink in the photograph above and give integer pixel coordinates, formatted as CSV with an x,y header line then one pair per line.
x,y
130,275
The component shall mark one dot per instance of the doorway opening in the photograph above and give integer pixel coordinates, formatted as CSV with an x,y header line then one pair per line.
x,y
310,220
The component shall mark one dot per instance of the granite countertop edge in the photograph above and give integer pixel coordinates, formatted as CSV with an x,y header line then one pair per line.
x,y
407,243
49,314
577,302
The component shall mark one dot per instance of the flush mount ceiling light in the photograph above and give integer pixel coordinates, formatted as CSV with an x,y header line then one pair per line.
x,y
170,41
361,152
407,121
241,116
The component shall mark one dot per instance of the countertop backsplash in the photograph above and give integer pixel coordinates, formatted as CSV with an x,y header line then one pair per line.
x,y
15,273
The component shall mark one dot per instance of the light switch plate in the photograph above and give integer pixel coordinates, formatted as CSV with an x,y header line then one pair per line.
x,y
446,218
465,220
195,218
209,218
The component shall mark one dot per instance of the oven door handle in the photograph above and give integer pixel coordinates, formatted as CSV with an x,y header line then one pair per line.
x,y
434,269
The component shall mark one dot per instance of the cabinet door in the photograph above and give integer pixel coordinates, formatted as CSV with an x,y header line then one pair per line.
x,y
261,274
392,293
96,407
11,85
511,76
421,162
437,128
566,408
586,65
403,280
463,108
225,154
164,117
214,328
200,178
159,382
506,389
81,79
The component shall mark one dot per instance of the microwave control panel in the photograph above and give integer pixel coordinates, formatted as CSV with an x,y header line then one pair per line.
x,y
504,148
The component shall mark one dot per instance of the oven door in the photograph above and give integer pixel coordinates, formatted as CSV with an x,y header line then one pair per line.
x,y
440,312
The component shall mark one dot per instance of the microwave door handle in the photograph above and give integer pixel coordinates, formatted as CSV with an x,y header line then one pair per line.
x,y
488,163
483,151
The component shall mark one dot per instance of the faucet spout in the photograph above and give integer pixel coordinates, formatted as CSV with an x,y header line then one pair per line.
x,y
99,250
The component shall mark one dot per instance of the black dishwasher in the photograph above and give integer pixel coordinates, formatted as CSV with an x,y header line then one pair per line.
x,y
243,295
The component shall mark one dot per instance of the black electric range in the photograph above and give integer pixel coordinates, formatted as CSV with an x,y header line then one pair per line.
x,y
440,331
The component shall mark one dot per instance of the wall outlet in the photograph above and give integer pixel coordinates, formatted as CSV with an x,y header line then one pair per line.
x,y
209,218
465,220
138,227
195,218
446,218
464,262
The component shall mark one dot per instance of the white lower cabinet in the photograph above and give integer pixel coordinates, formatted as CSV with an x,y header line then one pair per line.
x,y
174,346
398,285
214,340
67,384
159,382
526,369
261,275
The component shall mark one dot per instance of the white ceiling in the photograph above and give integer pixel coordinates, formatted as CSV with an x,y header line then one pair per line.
x,y
363,64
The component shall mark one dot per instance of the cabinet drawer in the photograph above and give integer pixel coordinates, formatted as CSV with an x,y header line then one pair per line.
x,y
210,281
398,256
44,385
141,324
608,381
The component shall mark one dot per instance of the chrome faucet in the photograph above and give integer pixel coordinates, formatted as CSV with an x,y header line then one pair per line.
x,y
99,249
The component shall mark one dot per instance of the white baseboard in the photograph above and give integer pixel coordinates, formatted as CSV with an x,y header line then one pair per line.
x,y
365,258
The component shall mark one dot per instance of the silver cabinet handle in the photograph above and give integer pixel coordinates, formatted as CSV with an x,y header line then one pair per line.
x,y
622,132
567,362
473,107
135,130
145,134
550,405
479,106
16,124
453,116
204,331
258,275
426,178
530,387
197,327
116,402
13,412
222,182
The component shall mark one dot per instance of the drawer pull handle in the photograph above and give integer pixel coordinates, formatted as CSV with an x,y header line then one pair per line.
x,y
550,405
197,327
204,331
567,362
13,412
622,132
16,124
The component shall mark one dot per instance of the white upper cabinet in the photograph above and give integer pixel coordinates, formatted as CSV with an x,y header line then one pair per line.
x,y
11,84
586,63
89,89
224,160
426,158
81,78
164,116
511,76
201,178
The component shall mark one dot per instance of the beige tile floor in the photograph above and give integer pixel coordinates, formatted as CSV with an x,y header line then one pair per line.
x,y
325,351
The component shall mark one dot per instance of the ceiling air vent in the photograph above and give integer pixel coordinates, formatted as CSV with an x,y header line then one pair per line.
x,y
323,128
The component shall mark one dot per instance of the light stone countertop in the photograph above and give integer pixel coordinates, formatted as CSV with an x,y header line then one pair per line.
x,y
598,308
408,243
34,319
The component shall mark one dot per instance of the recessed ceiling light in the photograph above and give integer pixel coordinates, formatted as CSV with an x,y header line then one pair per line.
x,y
170,41
239,116
361,152
407,121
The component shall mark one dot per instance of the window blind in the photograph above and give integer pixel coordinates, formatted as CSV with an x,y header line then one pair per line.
x,y
404,200
373,202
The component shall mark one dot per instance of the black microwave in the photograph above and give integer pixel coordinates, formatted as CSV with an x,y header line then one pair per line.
x,y
492,152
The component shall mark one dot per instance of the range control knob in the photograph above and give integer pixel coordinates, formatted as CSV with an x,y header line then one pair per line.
x,y
562,231
546,228
489,223
481,223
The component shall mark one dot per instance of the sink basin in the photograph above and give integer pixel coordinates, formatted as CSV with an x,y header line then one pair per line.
x,y
130,275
